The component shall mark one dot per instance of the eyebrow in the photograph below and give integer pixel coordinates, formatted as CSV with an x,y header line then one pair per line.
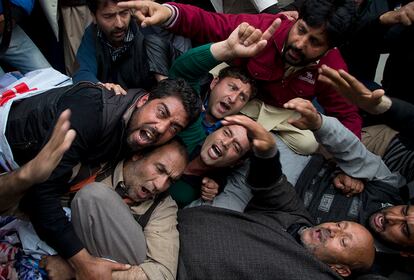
x,y
167,110
407,209
345,226
229,130
168,172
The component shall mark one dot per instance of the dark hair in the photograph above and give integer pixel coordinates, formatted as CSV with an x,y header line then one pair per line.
x,y
182,148
336,16
182,90
94,5
239,73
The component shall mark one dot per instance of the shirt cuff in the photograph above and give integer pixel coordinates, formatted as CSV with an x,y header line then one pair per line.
x,y
173,18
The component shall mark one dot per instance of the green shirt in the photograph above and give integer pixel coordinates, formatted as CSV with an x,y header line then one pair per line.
x,y
191,66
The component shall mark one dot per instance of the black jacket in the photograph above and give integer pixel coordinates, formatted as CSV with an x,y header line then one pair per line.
x,y
217,243
135,68
97,119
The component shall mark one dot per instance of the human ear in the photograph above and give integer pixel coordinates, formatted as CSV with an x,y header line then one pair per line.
x,y
142,100
341,269
214,82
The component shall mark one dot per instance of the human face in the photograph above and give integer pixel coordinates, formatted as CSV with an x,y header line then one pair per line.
x,y
304,44
113,21
155,122
225,146
394,225
228,96
152,174
338,243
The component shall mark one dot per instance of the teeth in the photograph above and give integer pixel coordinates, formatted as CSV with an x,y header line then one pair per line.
x,y
216,150
146,135
225,105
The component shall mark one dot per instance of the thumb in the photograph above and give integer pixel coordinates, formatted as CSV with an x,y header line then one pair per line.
x,y
378,93
338,183
119,266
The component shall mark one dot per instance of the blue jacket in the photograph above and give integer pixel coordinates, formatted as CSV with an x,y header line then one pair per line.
x,y
26,5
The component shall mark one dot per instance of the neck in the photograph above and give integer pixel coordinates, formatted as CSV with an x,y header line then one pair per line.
x,y
209,119
197,167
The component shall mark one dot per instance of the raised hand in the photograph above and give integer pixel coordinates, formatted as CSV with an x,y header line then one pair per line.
x,y
262,140
310,117
147,12
244,41
39,169
351,88
404,15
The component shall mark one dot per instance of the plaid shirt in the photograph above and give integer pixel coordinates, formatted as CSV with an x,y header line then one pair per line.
x,y
117,52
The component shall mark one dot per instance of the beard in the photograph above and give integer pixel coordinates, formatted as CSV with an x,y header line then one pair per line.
x,y
142,135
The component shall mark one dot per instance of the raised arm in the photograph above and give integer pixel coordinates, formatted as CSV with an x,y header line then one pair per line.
x,y
271,191
14,185
193,22
244,41
394,112
351,155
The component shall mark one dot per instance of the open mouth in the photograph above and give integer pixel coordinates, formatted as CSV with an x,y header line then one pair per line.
x,y
143,192
321,234
215,152
295,55
225,106
147,135
119,33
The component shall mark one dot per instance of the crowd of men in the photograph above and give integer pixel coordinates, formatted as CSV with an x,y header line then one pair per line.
x,y
282,166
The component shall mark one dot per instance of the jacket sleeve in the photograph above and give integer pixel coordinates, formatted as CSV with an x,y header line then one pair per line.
x,y
42,202
86,58
193,65
351,155
161,235
271,191
334,104
205,27
160,54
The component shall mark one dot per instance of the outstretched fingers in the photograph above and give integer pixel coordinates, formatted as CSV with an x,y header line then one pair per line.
x,y
271,30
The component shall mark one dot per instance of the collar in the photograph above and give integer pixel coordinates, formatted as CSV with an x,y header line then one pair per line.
x,y
209,127
128,113
118,174
116,52
296,230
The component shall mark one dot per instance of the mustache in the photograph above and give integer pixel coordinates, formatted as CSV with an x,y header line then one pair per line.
x,y
118,30
296,50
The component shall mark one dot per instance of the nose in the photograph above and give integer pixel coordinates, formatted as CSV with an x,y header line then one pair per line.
x,y
232,98
161,183
162,126
226,142
300,43
394,219
334,230
118,21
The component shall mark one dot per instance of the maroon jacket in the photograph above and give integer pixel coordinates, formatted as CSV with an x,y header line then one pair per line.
x,y
267,67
